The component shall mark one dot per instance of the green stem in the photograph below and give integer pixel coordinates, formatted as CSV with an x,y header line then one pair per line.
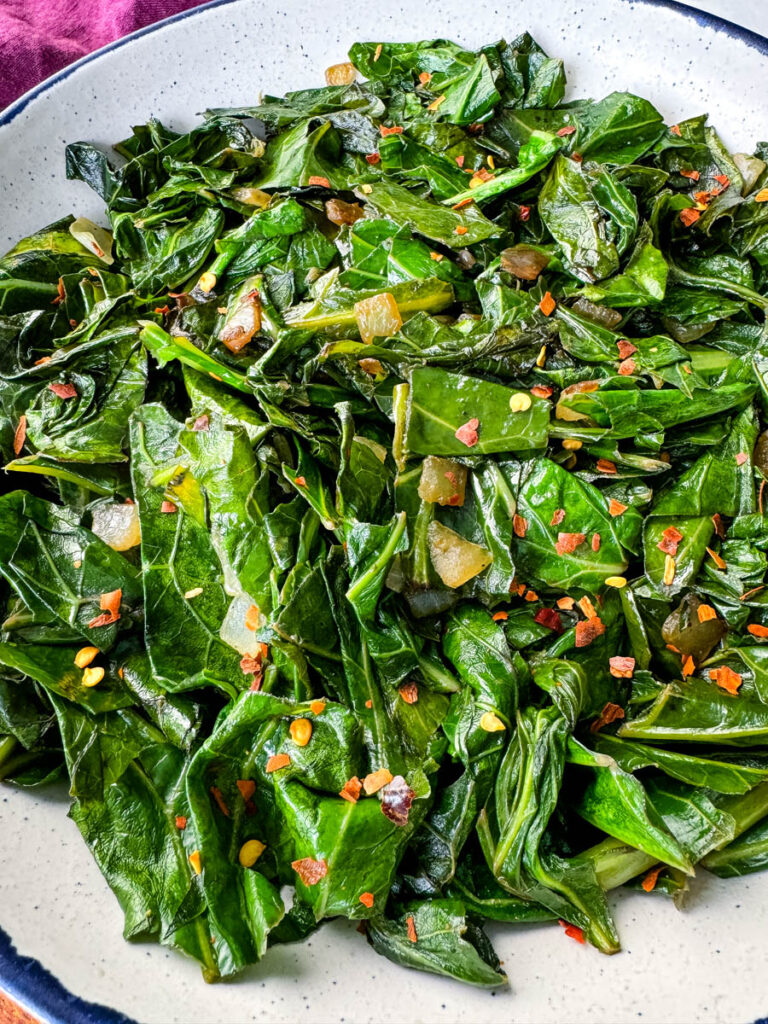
x,y
7,746
387,552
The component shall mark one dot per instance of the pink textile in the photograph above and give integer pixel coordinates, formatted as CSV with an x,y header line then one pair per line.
x,y
38,37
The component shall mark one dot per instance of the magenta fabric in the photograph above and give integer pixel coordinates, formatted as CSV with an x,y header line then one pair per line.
x,y
38,37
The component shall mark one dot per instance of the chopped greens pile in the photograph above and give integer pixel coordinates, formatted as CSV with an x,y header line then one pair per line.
x,y
390,538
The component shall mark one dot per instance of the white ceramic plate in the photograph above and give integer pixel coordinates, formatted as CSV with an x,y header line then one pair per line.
x,y
707,963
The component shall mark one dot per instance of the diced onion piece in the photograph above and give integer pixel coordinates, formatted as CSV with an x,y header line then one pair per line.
x,y
252,196
117,525
525,262
234,630
378,317
243,321
340,74
95,239
750,168
339,212
442,481
455,560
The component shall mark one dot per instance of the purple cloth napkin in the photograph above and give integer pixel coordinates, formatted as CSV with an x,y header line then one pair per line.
x,y
38,37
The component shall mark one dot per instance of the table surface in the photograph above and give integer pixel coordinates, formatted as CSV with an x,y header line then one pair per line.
x,y
752,14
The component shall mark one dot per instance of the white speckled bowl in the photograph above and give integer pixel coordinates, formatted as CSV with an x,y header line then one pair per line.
x,y
705,964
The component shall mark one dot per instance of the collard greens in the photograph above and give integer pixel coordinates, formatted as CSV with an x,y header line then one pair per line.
x,y
390,511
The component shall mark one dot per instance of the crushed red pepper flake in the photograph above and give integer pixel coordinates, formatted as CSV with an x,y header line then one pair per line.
x,y
20,436
247,788
670,541
675,130
63,390
606,466
318,179
587,608
693,175
567,129
409,692
595,541
351,790
717,521
309,870
649,882
610,713
689,216
461,203
366,898
249,664
557,517
467,433
705,613
757,630
542,391
181,822
500,616
219,798
626,348
460,160
300,481
572,931
168,508
410,926
519,526
627,367
617,508
588,630
276,762
719,562
689,666
724,180
565,603
726,679
461,229
754,590
549,618
621,667
372,158
741,458
568,542
547,304
531,595
524,213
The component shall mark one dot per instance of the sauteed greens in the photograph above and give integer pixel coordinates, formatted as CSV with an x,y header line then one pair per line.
x,y
390,538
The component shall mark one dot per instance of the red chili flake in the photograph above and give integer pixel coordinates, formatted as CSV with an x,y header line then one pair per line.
x,y
519,526
547,304
606,466
202,422
20,436
462,202
689,666
309,870
565,603
557,517
500,616
548,617
467,433
168,508
587,607
369,703
617,508
705,198
572,931
377,52
181,822
219,798
396,799
649,882
719,562
626,348
372,158
726,679
541,391
757,630
460,160
394,130
162,310
670,542
366,898
567,129
531,596
63,390
461,230
318,179
409,692
256,684
524,213
693,175
741,458
588,630
249,664
351,790
410,925
621,667
675,130
595,541
724,180
689,216
627,367
110,602
300,481
577,158
568,542
276,762
610,713
247,788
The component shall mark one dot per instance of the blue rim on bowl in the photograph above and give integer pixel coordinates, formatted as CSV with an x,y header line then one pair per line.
x,y
22,977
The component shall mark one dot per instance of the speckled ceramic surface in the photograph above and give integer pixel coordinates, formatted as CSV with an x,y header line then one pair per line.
x,y
707,963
